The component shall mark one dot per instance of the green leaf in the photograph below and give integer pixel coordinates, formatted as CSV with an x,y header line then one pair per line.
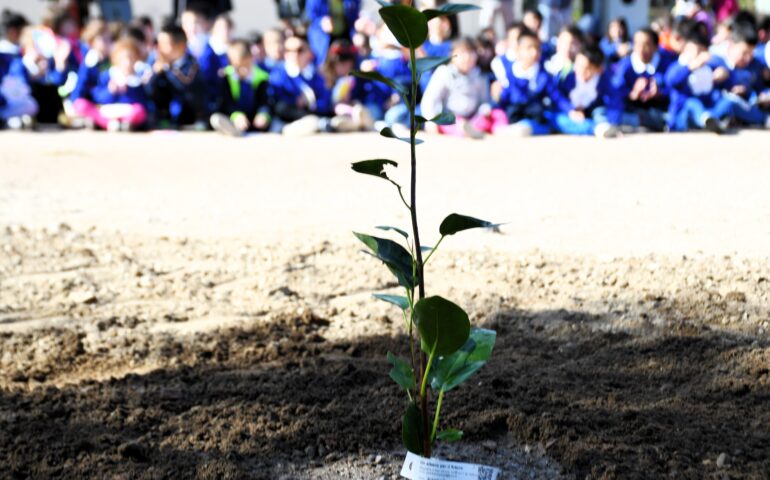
x,y
388,132
426,64
378,77
450,371
411,429
457,223
395,229
401,373
441,323
397,300
450,435
444,118
408,25
448,9
373,167
396,258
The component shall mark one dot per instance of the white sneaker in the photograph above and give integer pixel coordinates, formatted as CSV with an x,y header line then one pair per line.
x,y
471,132
518,130
605,130
303,127
344,124
113,126
363,118
222,124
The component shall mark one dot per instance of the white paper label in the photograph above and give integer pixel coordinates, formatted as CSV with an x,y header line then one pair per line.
x,y
419,468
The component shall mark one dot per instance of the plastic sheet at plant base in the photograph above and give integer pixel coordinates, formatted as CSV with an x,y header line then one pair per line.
x,y
420,468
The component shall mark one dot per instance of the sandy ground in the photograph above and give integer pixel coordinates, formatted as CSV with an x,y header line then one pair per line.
x,y
149,283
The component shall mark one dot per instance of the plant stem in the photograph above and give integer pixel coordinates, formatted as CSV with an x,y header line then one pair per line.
x,y
415,230
435,418
433,250
427,370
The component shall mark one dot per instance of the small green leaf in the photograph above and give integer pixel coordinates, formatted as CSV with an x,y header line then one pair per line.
x,y
426,64
396,258
378,77
420,119
457,223
388,132
450,435
411,429
373,167
408,25
394,229
401,373
444,118
448,9
397,300
450,371
441,323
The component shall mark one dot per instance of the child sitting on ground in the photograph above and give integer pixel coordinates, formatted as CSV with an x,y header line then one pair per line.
x,y
244,102
740,77
176,87
584,101
96,61
691,84
347,91
524,98
568,43
461,89
45,65
502,64
302,101
119,99
640,83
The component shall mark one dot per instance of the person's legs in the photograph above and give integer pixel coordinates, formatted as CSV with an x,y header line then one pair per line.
x,y
19,108
454,130
568,126
86,109
136,116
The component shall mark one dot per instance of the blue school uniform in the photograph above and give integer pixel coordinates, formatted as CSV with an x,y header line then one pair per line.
x,y
595,98
178,92
268,64
692,94
610,50
247,96
88,75
744,107
288,86
45,86
134,93
502,67
650,114
526,95
391,64
315,11
212,61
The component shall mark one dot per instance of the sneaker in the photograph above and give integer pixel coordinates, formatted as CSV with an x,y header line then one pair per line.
x,y
767,123
518,130
303,127
605,130
712,125
14,123
472,132
363,118
222,124
344,124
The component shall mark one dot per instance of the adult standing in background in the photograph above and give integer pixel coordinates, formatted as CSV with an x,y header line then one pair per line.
x,y
329,20
556,14
509,10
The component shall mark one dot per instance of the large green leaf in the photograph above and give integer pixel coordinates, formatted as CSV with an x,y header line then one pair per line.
x,y
411,429
448,9
441,323
402,372
378,77
457,223
426,64
450,435
396,258
388,132
408,25
450,371
373,167
397,300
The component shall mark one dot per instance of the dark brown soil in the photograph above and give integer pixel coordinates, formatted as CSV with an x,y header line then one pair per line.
x,y
278,397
